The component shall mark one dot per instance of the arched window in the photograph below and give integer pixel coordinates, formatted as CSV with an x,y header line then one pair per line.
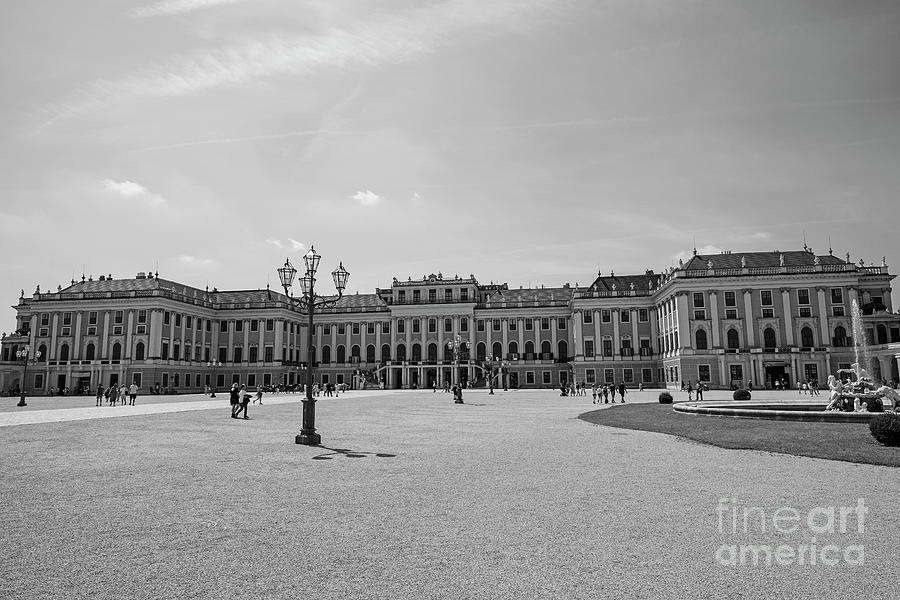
x,y
89,352
700,342
546,348
882,334
514,347
806,338
354,351
733,339
480,351
64,352
416,352
562,350
401,351
840,336
43,350
769,340
139,351
432,352
341,354
497,350
117,351
370,353
385,352
529,347
326,354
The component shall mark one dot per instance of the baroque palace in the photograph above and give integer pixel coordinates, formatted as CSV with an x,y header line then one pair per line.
x,y
728,319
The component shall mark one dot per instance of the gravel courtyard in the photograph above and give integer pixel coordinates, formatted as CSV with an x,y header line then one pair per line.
x,y
411,496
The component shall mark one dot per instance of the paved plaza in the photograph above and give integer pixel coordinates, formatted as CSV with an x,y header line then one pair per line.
x,y
410,496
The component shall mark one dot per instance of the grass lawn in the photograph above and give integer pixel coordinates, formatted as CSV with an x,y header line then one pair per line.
x,y
850,442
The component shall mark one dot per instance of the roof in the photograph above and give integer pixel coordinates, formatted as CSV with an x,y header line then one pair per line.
x,y
752,260
623,283
538,295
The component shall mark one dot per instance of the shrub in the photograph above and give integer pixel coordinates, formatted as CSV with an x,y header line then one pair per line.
x,y
875,405
665,398
741,394
886,429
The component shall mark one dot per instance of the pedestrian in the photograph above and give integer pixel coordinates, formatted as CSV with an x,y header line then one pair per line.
x,y
123,394
605,394
234,399
259,395
594,393
699,390
622,391
641,386
689,389
244,399
132,392
612,392
99,394
111,394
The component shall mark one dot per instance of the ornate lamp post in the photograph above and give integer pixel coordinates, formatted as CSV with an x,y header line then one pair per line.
x,y
214,365
307,303
23,356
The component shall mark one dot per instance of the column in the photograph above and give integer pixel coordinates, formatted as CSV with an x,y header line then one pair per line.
x,y
749,319
333,342
685,339
489,334
440,353
654,330
424,339
230,348
504,331
788,317
377,341
393,339
128,333
197,324
714,310
319,340
363,331
408,328
76,345
520,326
553,329
823,316
245,353
635,342
578,317
104,336
617,349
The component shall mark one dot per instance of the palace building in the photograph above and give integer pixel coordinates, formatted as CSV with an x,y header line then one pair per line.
x,y
725,319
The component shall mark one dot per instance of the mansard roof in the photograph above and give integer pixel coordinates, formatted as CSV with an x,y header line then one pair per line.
x,y
537,296
733,260
622,283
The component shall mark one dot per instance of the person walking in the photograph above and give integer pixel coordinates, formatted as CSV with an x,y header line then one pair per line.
x,y
594,393
612,392
244,401
689,389
259,395
111,394
235,400
99,395
605,391
699,391
132,392
123,394
622,391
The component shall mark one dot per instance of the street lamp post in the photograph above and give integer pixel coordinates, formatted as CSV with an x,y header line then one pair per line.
x,y
308,303
214,365
23,356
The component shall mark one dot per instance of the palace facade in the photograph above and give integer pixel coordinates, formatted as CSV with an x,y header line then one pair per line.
x,y
725,319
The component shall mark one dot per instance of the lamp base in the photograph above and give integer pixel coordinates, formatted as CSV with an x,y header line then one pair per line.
x,y
22,402
308,439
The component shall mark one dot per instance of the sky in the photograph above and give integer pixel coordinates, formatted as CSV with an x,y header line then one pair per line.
x,y
523,141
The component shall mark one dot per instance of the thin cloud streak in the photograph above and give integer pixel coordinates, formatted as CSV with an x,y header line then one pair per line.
x,y
167,8
392,39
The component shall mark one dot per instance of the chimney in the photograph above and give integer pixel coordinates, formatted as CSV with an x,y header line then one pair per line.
x,y
141,275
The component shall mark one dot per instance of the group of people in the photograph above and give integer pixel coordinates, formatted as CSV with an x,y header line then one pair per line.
x,y
604,393
810,386
239,398
121,394
689,387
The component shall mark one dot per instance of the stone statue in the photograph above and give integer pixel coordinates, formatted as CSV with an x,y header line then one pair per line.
x,y
743,262
680,264
816,261
781,260
709,264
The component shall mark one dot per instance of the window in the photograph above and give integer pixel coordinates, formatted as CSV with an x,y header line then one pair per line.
x,y
254,325
164,354
342,329
479,325
529,377
66,331
545,324
806,338
401,326
589,348
699,300
805,311
208,325
730,299
529,325
44,331
590,376
90,352
464,295
837,311
223,354
238,354
587,317
733,339
67,318
768,313
176,351
189,322
417,326
731,313
92,317
464,324
700,340
646,375
432,325
223,326
370,328
177,320
117,330
254,354
608,376
448,295
803,296
417,296
837,295
448,325
355,329
769,339
239,326
401,297
495,324
38,380
703,372
45,319
628,375
605,316
269,354
643,315
737,374
512,324
326,330
167,318
432,296
765,297
545,376
625,316
607,346
699,315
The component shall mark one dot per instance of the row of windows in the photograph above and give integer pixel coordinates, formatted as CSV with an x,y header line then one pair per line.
x,y
447,295
767,313
765,298
587,316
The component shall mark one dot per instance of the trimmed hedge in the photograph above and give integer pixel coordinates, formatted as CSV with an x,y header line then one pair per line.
x,y
741,394
886,429
665,398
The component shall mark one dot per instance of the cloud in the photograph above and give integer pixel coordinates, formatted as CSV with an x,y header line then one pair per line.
x,y
193,261
165,8
133,191
290,245
416,197
703,251
389,39
367,198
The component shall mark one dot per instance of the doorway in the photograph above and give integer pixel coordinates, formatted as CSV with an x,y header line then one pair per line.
x,y
775,375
